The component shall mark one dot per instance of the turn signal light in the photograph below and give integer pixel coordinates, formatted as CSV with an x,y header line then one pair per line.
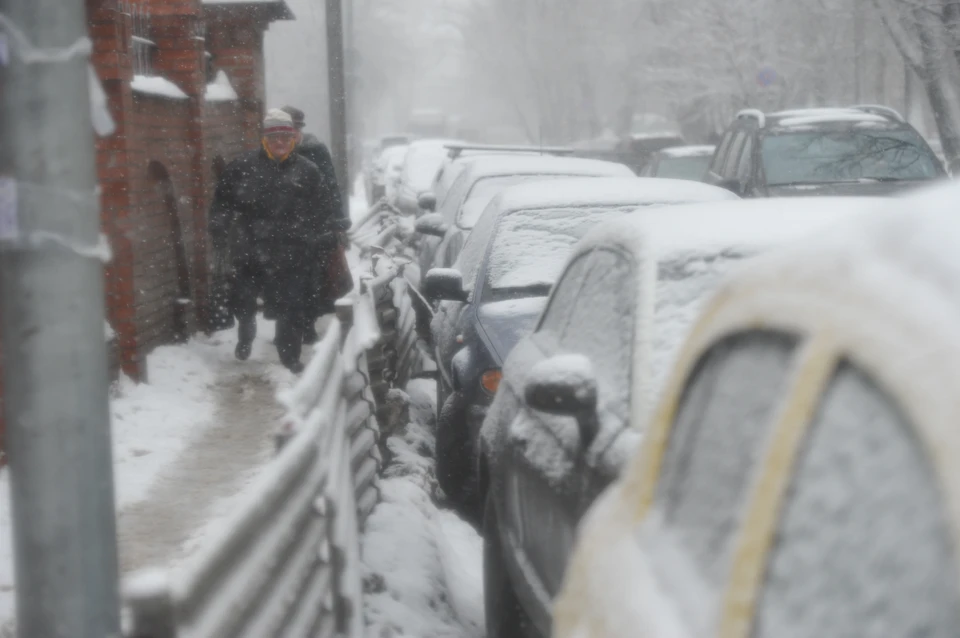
x,y
491,380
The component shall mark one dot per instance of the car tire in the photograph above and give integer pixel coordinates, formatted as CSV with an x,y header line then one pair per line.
x,y
456,466
505,617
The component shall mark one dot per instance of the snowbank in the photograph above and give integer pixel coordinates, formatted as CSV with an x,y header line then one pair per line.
x,y
433,588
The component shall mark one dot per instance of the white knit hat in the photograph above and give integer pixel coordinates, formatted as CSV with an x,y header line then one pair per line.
x,y
278,121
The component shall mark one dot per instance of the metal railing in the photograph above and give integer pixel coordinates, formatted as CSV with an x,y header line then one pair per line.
x,y
287,562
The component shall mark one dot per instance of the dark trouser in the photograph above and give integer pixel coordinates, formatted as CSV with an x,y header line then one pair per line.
x,y
247,287
283,290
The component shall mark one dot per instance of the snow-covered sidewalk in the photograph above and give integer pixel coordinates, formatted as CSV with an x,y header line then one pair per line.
x,y
423,574
184,445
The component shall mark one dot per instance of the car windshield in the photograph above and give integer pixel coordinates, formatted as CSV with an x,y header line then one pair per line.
x,y
484,190
684,282
823,157
529,248
692,168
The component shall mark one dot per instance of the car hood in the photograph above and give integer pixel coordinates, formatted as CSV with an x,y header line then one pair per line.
x,y
506,322
853,189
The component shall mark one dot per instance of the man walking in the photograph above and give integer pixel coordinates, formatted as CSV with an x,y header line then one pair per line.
x,y
333,279
268,212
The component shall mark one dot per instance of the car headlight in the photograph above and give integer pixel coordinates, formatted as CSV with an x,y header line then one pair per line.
x,y
490,380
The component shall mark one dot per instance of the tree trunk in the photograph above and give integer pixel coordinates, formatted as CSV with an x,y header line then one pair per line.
x,y
941,79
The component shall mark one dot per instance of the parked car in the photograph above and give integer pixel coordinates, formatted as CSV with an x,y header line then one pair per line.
x,y
459,157
420,166
865,150
373,181
633,150
797,477
568,413
393,159
386,169
479,182
680,162
498,287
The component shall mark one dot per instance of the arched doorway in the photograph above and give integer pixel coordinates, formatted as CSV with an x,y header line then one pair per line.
x,y
177,270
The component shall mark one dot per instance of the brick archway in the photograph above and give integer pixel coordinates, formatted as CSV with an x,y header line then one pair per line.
x,y
177,283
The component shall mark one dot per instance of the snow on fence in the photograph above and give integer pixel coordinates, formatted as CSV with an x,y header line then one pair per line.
x,y
384,236
288,562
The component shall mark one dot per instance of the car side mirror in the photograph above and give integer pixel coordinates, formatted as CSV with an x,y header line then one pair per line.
x,y
444,284
566,385
431,224
427,201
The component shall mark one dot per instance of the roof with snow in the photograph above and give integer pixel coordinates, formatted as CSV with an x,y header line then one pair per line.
x,y
278,9
489,166
916,235
157,86
608,191
730,225
704,150
868,116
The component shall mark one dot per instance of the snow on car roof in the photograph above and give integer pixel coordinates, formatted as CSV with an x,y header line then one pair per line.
x,y
608,191
855,117
484,166
916,235
688,151
740,224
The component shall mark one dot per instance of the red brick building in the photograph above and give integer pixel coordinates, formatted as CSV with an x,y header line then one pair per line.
x,y
185,86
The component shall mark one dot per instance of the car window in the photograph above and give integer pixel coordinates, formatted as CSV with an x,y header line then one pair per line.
x,y
475,247
485,189
721,155
530,247
745,164
730,166
723,414
600,326
564,297
454,197
864,545
691,168
849,155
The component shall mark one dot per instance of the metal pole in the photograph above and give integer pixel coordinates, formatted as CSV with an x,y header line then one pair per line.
x,y
52,328
858,55
338,99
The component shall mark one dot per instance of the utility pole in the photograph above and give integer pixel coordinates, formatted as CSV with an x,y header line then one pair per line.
x,y
52,328
338,99
858,53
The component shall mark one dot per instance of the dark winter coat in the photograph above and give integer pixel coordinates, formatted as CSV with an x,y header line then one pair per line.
x,y
271,218
317,152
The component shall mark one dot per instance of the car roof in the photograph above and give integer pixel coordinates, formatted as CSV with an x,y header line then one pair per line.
x,y
752,224
699,150
797,118
607,191
489,166
914,236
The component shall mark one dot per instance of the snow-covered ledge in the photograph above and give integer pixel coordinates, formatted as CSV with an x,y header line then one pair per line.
x,y
220,90
156,85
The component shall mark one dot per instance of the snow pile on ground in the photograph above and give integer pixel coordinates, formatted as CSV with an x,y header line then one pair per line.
x,y
422,565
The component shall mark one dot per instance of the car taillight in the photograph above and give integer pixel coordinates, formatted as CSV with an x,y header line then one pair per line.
x,y
490,380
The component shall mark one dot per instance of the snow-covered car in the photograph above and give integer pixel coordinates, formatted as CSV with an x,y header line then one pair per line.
x,y
420,166
798,475
483,178
575,392
386,170
498,287
859,150
680,162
